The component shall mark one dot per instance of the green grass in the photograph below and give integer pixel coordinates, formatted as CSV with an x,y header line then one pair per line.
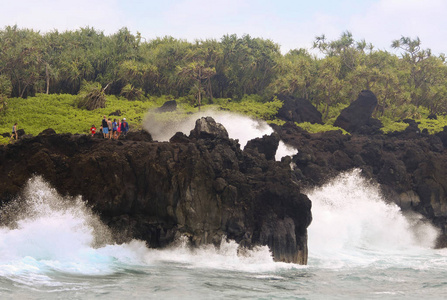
x,y
59,112
4,140
315,128
249,106
391,125
433,126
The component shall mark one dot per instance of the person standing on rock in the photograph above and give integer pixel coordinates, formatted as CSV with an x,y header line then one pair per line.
x,y
93,130
105,127
124,127
114,128
118,130
14,134
109,125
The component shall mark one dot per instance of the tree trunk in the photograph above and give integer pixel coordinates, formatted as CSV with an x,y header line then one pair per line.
x,y
23,90
210,89
47,74
200,88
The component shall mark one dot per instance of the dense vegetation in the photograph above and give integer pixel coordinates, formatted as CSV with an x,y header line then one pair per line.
x,y
247,70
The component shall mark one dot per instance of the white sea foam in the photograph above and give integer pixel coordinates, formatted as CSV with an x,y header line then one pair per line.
x,y
55,248
353,224
49,233
227,256
238,127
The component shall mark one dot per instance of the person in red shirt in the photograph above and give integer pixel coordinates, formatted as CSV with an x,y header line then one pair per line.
x,y
93,130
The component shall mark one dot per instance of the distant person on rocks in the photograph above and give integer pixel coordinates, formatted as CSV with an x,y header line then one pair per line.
x,y
105,127
14,134
114,129
118,130
109,125
93,130
124,127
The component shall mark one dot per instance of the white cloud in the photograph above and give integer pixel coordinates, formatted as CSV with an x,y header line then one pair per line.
x,y
46,15
290,23
388,20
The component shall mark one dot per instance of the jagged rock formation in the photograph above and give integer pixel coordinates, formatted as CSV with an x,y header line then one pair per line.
x,y
410,166
298,110
356,118
266,145
202,186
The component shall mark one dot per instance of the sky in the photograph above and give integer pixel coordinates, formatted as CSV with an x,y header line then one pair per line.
x,y
292,24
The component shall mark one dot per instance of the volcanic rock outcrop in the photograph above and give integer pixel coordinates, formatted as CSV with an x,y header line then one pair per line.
x,y
168,106
298,110
356,118
202,186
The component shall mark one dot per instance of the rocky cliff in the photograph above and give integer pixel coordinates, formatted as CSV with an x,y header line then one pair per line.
x,y
202,186
410,166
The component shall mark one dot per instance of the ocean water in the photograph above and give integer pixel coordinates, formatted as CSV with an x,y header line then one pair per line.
x,y
360,247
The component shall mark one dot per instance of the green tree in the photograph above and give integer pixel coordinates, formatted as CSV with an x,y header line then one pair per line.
x,y
165,54
328,85
345,48
413,62
296,75
21,59
248,65
196,70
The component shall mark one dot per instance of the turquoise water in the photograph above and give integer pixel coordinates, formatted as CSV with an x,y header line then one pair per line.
x,y
360,246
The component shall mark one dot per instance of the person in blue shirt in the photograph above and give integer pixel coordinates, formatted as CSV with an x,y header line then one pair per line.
x,y
114,129
124,127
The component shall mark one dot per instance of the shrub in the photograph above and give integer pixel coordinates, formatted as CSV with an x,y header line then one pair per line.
x,y
4,140
91,96
333,113
131,93
265,111
390,125
433,126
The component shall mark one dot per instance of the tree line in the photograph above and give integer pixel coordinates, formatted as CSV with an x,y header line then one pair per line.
x,y
128,65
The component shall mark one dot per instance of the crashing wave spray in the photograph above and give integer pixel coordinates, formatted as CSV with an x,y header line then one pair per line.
x,y
44,234
43,231
350,218
238,127
227,256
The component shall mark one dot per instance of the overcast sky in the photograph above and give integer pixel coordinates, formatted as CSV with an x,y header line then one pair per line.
x,y
290,23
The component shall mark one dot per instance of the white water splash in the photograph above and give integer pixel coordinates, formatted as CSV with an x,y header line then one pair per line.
x,y
228,256
49,233
238,127
352,224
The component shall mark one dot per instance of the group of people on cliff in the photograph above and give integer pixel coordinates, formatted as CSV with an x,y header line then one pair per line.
x,y
111,129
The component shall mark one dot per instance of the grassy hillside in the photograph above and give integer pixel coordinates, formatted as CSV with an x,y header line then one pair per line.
x,y
60,112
